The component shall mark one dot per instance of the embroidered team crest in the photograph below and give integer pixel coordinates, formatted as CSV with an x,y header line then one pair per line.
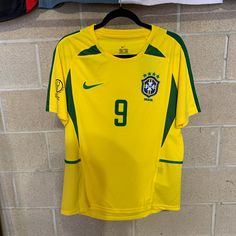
x,y
150,84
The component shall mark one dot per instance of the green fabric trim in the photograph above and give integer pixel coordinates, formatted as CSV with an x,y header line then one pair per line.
x,y
50,80
70,103
182,44
153,51
90,51
170,161
52,64
72,162
171,111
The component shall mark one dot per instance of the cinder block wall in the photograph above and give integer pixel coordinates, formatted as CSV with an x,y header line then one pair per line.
x,y
31,140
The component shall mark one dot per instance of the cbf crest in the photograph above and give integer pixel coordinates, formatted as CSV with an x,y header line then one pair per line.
x,y
150,85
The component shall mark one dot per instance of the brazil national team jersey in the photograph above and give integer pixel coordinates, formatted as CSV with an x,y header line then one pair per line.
x,y
123,96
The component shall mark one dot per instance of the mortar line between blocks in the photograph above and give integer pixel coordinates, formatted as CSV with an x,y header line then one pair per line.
x,y
218,146
213,220
209,167
47,145
15,189
38,65
178,16
133,233
21,89
28,208
226,81
34,132
29,40
198,204
81,15
207,12
229,166
31,171
199,167
219,33
226,57
228,203
3,118
54,222
210,126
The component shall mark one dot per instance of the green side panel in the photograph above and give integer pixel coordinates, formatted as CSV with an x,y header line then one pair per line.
x,y
90,51
72,162
70,103
171,111
170,161
50,80
153,51
181,42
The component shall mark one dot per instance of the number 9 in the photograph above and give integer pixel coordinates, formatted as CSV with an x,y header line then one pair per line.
x,y
121,110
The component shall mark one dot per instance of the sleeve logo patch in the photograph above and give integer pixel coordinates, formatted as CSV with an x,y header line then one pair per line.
x,y
59,85
59,88
150,85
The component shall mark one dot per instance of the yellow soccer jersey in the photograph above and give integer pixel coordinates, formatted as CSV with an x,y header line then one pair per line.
x,y
123,96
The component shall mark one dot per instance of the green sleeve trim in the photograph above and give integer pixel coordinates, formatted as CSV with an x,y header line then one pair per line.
x,y
70,103
170,161
50,77
182,44
72,162
171,110
50,80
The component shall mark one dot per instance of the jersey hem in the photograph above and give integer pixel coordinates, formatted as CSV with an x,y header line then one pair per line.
x,y
104,215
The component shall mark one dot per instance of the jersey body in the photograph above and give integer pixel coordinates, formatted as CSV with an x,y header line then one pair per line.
x,y
123,97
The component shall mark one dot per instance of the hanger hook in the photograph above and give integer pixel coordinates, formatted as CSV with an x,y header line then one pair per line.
x,y
120,3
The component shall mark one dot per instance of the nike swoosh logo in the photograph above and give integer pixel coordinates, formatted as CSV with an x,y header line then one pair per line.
x,y
85,86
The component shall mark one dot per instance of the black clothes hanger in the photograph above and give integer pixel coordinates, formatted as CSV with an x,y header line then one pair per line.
x,y
122,12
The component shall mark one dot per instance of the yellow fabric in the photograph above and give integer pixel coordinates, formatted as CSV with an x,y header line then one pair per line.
x,y
114,168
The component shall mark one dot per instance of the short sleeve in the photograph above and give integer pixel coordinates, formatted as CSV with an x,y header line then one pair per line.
x,y
56,95
187,100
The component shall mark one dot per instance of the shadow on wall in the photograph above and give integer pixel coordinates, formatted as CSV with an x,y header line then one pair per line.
x,y
1,219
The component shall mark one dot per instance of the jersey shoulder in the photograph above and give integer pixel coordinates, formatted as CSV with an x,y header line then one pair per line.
x,y
78,43
168,42
176,39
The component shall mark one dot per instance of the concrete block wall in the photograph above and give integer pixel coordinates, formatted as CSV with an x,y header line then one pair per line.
x,y
31,140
